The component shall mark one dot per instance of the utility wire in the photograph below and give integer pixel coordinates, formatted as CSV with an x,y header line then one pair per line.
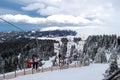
x,y
12,24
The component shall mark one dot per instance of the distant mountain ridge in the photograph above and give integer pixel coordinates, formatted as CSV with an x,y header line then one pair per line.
x,y
54,33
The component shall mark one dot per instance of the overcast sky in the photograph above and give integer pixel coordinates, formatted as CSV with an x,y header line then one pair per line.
x,y
37,14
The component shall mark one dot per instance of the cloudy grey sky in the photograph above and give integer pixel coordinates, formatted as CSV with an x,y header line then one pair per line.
x,y
37,14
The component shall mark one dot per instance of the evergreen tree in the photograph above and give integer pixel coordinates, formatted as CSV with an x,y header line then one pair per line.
x,y
112,68
86,60
2,64
113,56
100,56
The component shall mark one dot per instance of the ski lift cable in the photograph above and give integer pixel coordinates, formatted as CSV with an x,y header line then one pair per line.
x,y
11,24
18,28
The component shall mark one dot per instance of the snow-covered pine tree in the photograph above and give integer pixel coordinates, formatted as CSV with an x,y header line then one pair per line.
x,y
63,49
100,56
113,56
86,60
75,54
112,68
80,57
2,64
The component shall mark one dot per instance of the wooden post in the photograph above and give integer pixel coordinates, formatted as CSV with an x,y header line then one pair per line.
x,y
68,65
60,67
42,68
51,68
24,70
24,67
32,71
59,58
75,65
15,73
3,74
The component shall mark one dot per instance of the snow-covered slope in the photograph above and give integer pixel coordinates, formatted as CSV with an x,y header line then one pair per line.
x,y
92,72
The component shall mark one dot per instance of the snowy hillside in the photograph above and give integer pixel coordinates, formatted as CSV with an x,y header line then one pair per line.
x,y
92,72
66,50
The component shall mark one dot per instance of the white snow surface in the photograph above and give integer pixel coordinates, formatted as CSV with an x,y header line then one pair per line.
x,y
48,63
91,72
